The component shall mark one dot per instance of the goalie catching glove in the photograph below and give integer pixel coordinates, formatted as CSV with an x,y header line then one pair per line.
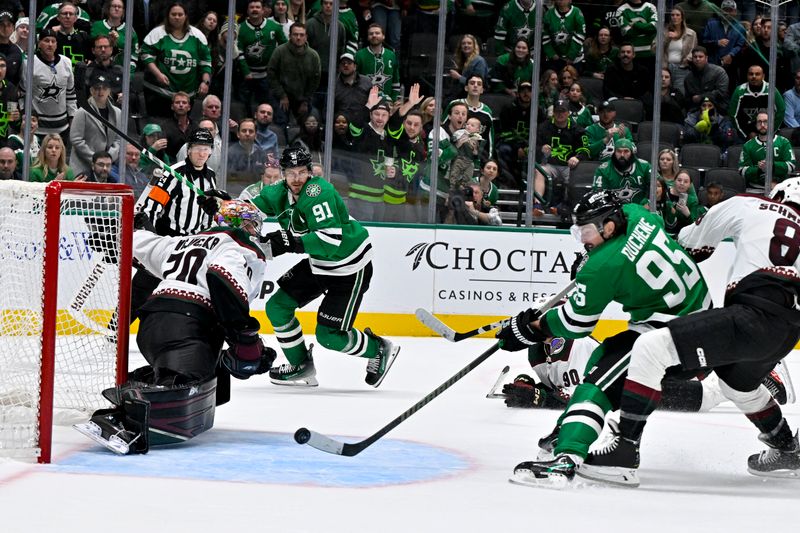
x,y
283,242
519,333
524,392
246,355
208,202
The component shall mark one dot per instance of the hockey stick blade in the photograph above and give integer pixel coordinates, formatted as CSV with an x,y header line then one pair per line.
x,y
329,445
493,391
439,327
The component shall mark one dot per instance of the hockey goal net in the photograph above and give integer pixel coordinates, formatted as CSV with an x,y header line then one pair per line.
x,y
65,271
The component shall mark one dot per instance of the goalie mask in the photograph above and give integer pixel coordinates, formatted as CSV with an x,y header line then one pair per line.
x,y
787,192
239,214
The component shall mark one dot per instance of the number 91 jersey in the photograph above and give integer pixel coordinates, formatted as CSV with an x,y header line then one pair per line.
x,y
183,263
766,234
337,245
645,271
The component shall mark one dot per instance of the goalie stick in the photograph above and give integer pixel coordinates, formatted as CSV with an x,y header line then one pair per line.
x,y
329,445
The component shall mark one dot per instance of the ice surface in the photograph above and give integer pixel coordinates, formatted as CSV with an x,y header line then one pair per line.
x,y
444,469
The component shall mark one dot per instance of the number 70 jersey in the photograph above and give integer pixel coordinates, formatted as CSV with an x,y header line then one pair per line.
x,y
766,235
645,271
183,263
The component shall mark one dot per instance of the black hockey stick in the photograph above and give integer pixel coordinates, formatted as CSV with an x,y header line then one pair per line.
x,y
329,445
162,165
452,335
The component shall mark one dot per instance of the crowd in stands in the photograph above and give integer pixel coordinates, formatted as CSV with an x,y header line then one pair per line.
x,y
594,100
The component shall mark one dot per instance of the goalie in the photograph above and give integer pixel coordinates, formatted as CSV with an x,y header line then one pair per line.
x,y
203,299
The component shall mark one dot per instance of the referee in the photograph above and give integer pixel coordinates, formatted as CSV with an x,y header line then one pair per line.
x,y
175,210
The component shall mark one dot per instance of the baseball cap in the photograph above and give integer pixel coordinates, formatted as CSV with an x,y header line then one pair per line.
x,y
607,105
383,104
100,79
347,56
728,4
47,32
525,85
622,142
150,129
7,15
561,105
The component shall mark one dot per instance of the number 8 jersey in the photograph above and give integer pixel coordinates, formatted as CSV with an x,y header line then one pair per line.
x,y
645,271
336,243
766,234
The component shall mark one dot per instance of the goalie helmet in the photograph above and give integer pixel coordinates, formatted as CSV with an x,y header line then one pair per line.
x,y
235,212
787,191
598,207
295,156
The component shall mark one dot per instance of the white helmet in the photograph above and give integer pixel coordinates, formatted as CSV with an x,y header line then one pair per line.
x,y
787,191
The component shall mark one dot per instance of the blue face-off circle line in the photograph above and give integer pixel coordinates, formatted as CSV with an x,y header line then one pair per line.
x,y
239,456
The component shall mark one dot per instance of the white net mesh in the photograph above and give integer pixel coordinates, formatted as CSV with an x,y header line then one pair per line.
x,y
87,297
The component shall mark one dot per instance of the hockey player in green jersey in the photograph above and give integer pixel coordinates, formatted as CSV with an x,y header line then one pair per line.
x,y
625,174
753,159
633,262
315,221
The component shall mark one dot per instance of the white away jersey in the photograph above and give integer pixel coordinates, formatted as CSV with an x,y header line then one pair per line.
x,y
566,369
183,263
766,235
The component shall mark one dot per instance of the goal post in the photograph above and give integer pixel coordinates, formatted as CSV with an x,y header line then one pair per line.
x,y
66,253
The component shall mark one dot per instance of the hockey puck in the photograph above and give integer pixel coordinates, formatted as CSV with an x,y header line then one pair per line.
x,y
302,436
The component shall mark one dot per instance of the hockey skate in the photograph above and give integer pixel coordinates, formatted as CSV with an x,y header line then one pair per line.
x,y
776,462
556,473
108,431
775,386
300,375
379,366
616,462
547,445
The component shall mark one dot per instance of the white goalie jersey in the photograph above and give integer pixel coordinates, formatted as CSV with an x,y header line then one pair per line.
x,y
183,263
766,234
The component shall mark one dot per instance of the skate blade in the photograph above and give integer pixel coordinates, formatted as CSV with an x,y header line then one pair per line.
x,y
527,479
623,477
309,381
392,357
93,431
783,474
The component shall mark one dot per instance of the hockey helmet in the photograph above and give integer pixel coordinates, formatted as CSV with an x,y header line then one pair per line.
x,y
234,213
787,191
201,136
295,156
596,208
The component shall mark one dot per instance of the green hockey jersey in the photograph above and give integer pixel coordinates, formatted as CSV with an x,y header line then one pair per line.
x,y
755,150
382,69
258,44
563,34
632,186
601,147
101,27
183,60
638,26
645,271
746,104
514,21
337,244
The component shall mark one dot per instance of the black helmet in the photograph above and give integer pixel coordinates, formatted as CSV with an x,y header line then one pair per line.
x,y
201,136
597,208
295,156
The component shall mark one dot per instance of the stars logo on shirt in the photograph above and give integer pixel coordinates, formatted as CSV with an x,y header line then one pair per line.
x,y
50,91
255,50
313,190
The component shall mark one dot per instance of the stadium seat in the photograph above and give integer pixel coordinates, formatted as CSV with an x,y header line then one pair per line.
x,y
727,177
700,155
630,111
732,156
581,179
644,149
669,132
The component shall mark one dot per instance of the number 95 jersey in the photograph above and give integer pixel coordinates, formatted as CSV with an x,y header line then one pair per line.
x,y
184,264
766,234
337,245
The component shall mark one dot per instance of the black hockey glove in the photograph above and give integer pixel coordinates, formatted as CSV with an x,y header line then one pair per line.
x,y
524,392
576,265
283,242
247,356
209,203
519,334
142,221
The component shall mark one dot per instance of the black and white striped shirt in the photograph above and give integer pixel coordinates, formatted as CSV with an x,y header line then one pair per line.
x,y
172,206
